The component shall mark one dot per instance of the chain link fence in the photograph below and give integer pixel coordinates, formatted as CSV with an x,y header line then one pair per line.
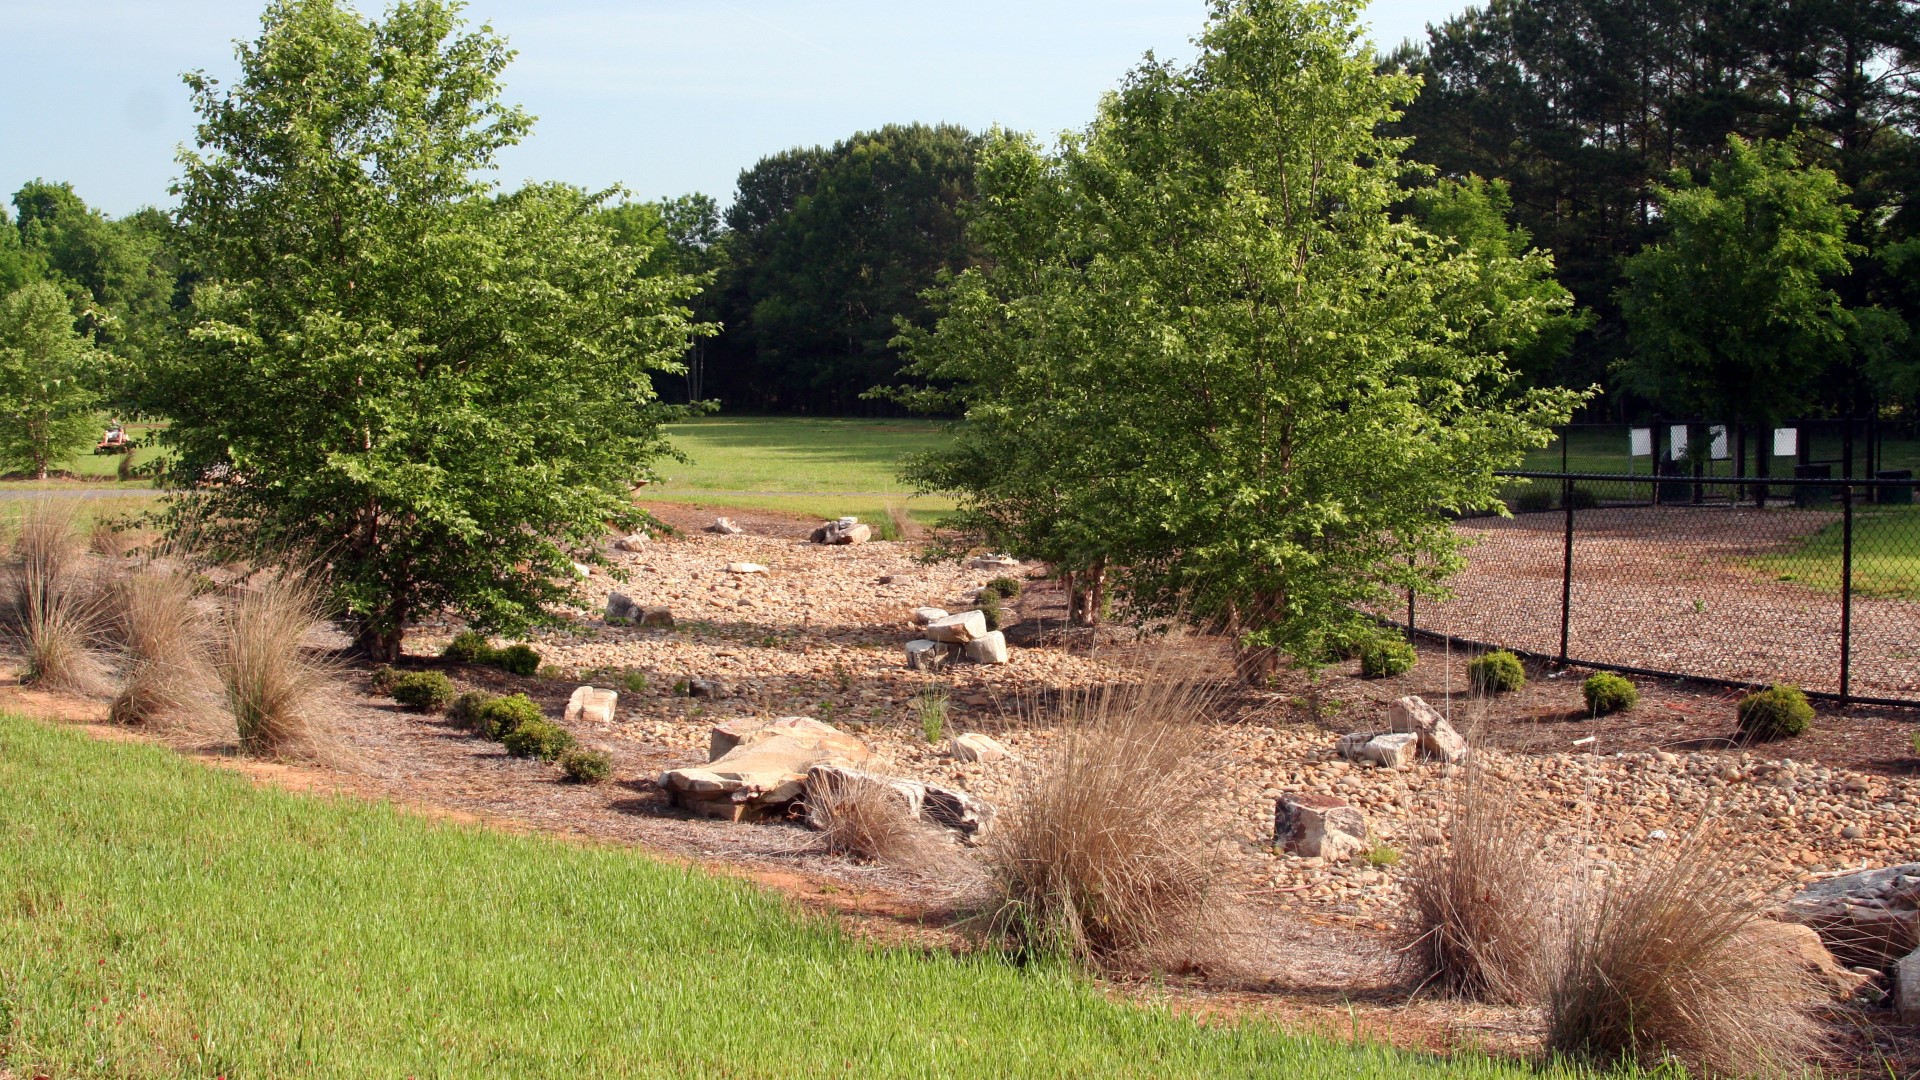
x,y
1735,579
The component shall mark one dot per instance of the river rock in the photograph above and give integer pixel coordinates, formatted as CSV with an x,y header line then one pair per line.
x,y
973,746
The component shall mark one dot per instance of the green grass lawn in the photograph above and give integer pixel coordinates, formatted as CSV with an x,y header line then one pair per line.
x,y
162,919
1886,555
811,466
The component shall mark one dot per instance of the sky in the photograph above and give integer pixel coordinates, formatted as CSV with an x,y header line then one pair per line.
x,y
661,97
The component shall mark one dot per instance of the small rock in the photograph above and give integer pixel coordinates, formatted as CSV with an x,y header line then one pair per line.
x,y
634,542
621,606
991,649
923,616
745,568
923,655
588,705
582,570
958,629
1319,827
707,688
1437,737
725,527
1392,751
846,530
973,746
994,562
1852,832
657,616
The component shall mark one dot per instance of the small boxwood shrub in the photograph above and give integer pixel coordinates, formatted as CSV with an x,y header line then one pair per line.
x,y
1385,656
1609,693
1496,672
1532,502
1005,588
586,766
502,716
1780,711
517,659
989,606
466,709
468,647
538,738
1583,499
428,691
635,682
380,680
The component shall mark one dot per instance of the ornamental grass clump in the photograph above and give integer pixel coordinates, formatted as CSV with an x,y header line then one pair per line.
x,y
1496,672
1104,859
1778,712
426,691
1607,693
165,633
55,614
273,685
1477,911
1385,656
1663,961
865,818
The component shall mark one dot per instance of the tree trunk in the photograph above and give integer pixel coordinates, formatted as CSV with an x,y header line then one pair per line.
x,y
1257,665
379,646
1071,582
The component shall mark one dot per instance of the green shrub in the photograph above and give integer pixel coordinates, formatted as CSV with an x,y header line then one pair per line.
x,y
1531,502
587,766
466,709
1382,855
428,691
468,647
1386,655
1778,712
1583,499
635,682
1005,588
1609,693
517,659
989,606
502,716
1495,672
381,679
538,738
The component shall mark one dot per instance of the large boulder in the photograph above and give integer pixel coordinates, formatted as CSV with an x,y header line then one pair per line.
x,y
924,615
1319,826
1868,919
1799,947
763,770
592,706
950,808
988,649
1438,739
958,628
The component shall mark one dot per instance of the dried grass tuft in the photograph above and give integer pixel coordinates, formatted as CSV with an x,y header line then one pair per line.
x,y
1479,906
165,632
900,522
54,609
1104,858
868,819
1658,965
273,685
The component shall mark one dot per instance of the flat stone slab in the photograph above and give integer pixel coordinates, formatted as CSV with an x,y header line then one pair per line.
x,y
958,629
591,705
763,770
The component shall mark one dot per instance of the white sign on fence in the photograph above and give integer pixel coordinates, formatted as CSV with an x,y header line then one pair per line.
x,y
1786,442
1641,439
1677,441
1719,434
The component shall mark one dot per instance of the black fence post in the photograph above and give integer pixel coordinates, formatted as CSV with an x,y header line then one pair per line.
x,y
1566,570
1846,590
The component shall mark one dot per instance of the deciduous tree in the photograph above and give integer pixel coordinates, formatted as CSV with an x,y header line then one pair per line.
x,y
49,373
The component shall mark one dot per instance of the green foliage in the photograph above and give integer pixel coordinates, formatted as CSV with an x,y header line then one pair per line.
x,y
381,679
635,682
1387,655
1778,712
1914,741
1608,693
1582,498
235,870
930,706
1496,672
537,738
469,711
989,607
1532,501
428,691
1733,315
1382,855
587,766
520,659
444,388
1005,588
1202,352
48,379
500,717
468,647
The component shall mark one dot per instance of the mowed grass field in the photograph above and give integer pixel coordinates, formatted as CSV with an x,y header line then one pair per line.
x,y
163,919
819,467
